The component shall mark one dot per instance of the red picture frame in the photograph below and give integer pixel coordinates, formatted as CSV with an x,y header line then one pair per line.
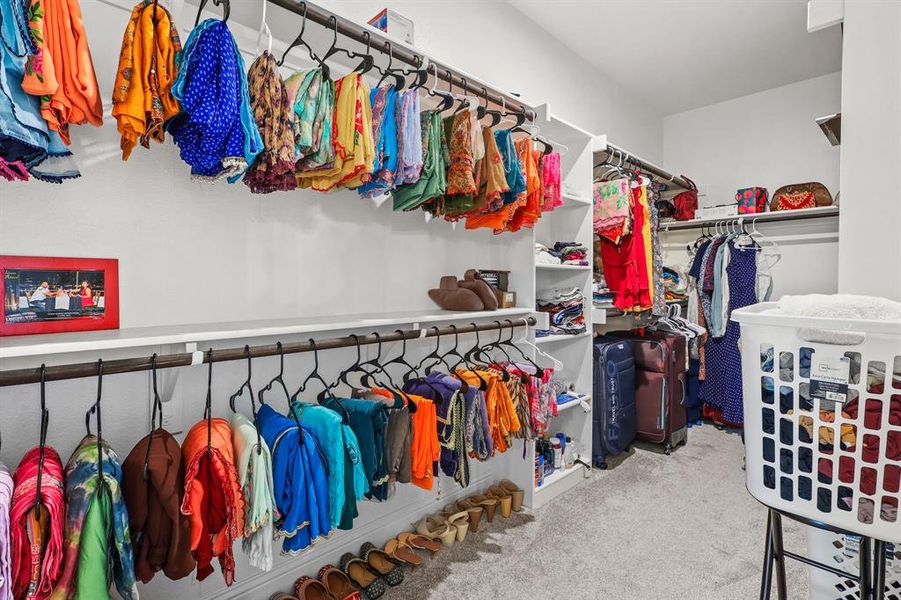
x,y
42,294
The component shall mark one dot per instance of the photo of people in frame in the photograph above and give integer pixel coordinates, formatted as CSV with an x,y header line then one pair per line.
x,y
39,295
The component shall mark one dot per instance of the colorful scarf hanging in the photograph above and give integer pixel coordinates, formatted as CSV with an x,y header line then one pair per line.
x,y
254,463
432,181
160,534
352,139
28,148
528,204
148,65
409,135
61,72
36,532
551,180
312,98
215,131
384,130
6,496
498,218
213,501
97,540
300,482
273,169
613,209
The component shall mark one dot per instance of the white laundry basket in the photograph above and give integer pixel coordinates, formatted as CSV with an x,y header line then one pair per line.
x,y
852,485
841,552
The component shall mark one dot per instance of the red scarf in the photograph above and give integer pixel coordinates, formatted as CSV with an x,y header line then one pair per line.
x,y
35,572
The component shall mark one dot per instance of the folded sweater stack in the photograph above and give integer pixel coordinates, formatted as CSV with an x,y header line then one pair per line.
x,y
565,309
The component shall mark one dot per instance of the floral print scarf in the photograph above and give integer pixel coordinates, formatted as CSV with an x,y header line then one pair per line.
x,y
273,169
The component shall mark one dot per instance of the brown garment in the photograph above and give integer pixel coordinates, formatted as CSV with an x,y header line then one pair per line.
x,y
160,534
398,437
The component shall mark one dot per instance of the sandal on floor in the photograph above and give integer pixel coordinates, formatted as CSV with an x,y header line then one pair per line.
x,y
459,522
380,561
358,571
401,552
307,588
437,528
338,583
515,492
504,499
418,541
488,504
474,512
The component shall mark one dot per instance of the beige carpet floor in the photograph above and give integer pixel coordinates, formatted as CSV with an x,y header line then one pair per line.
x,y
652,527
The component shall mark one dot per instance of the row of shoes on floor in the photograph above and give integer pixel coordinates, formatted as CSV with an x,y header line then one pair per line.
x,y
367,576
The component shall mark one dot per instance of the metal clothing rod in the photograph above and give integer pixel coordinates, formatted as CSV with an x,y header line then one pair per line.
x,y
643,165
753,218
353,31
168,361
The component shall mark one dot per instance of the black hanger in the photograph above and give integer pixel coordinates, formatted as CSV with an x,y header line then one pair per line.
x,y
434,355
496,115
368,60
208,407
521,119
447,100
42,444
253,406
483,384
226,4
279,379
246,384
411,370
299,41
156,413
477,350
95,408
422,75
497,344
399,399
313,375
389,71
464,100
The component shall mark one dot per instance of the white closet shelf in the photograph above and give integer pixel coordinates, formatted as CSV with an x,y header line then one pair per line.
x,y
558,476
574,403
574,201
546,267
136,337
598,316
561,337
779,215
559,130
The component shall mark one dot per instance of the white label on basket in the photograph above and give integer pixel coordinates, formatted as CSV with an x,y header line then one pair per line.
x,y
829,376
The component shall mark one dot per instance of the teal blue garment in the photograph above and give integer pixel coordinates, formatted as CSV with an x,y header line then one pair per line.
x,y
717,325
253,141
516,180
326,426
24,135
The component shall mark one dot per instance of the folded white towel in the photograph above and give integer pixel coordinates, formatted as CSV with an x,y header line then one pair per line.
x,y
841,306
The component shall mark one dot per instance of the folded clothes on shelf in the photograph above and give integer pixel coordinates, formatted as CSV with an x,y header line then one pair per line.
x,y
565,308
566,253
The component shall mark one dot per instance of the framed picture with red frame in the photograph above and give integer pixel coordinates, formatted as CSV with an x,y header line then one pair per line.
x,y
53,295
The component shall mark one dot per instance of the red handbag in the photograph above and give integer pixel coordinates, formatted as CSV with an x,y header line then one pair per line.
x,y
686,203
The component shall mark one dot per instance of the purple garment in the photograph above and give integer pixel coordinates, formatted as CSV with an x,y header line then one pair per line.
x,y
722,386
6,494
447,388
411,159
478,430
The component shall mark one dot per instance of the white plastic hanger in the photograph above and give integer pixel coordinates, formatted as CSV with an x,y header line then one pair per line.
x,y
525,341
264,27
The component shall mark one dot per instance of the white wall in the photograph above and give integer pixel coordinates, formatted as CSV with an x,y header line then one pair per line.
x,y
767,139
192,253
870,249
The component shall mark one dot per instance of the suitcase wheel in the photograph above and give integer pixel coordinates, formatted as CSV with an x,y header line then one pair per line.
x,y
602,466
668,449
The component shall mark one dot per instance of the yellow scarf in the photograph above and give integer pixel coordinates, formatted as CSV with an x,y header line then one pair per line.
x,y
142,97
352,137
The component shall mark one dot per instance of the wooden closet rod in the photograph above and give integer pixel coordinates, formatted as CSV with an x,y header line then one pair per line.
x,y
353,31
618,153
167,361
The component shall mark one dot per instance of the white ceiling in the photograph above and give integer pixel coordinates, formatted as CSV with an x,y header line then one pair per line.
x,y
679,55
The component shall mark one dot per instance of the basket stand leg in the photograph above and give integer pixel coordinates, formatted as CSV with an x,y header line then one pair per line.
x,y
779,556
865,568
879,570
766,578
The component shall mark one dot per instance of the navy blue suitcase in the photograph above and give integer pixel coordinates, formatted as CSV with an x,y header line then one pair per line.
x,y
614,421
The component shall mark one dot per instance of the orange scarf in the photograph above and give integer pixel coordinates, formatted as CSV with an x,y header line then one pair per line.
x,y
527,213
213,502
424,450
142,93
61,73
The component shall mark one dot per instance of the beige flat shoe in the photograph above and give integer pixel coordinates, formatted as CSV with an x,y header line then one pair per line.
x,y
419,542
